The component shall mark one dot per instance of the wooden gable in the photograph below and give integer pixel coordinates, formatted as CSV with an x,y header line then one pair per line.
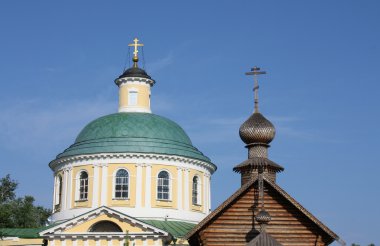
x,y
233,222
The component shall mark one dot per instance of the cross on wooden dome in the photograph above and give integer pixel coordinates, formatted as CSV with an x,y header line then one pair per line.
x,y
256,71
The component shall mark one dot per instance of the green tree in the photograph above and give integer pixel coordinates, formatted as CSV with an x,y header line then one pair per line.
x,y
19,212
7,189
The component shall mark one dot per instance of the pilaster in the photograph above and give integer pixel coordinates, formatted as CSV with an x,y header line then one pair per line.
x,y
55,192
208,181
148,185
187,202
139,185
104,190
95,187
179,187
70,188
205,192
64,189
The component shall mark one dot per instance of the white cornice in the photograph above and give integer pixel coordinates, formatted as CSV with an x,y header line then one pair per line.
x,y
134,80
143,158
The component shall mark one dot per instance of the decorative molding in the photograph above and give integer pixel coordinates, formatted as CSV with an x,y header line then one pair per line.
x,y
105,158
135,81
57,230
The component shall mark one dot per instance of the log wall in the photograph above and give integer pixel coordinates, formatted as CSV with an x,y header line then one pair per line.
x,y
236,225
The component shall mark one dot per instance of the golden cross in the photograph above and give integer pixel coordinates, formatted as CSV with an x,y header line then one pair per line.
x,y
135,45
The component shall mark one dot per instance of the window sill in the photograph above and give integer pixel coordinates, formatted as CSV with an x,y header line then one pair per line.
x,y
120,199
197,205
82,200
163,200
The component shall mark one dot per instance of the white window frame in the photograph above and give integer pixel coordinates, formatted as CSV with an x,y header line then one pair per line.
x,y
133,100
77,186
169,186
199,190
114,185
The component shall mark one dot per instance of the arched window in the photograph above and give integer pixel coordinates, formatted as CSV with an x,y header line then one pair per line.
x,y
163,186
121,184
83,186
105,226
195,191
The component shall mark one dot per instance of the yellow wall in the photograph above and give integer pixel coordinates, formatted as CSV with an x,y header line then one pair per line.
x,y
172,203
90,171
85,227
197,207
131,201
22,241
143,98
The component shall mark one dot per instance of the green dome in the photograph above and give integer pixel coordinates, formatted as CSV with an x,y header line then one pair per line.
x,y
133,133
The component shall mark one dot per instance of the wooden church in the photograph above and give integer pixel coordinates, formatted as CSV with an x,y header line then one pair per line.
x,y
260,212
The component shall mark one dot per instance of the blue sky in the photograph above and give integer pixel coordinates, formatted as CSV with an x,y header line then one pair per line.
x,y
58,62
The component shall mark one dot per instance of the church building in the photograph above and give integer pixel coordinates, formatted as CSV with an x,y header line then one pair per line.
x,y
134,178
260,213
130,178
130,173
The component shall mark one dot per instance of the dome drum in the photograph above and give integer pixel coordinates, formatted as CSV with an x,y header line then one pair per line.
x,y
257,150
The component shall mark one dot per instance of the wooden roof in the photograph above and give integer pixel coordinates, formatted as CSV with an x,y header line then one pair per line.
x,y
234,197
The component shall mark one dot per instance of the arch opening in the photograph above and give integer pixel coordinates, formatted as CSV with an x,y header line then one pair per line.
x,y
105,226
